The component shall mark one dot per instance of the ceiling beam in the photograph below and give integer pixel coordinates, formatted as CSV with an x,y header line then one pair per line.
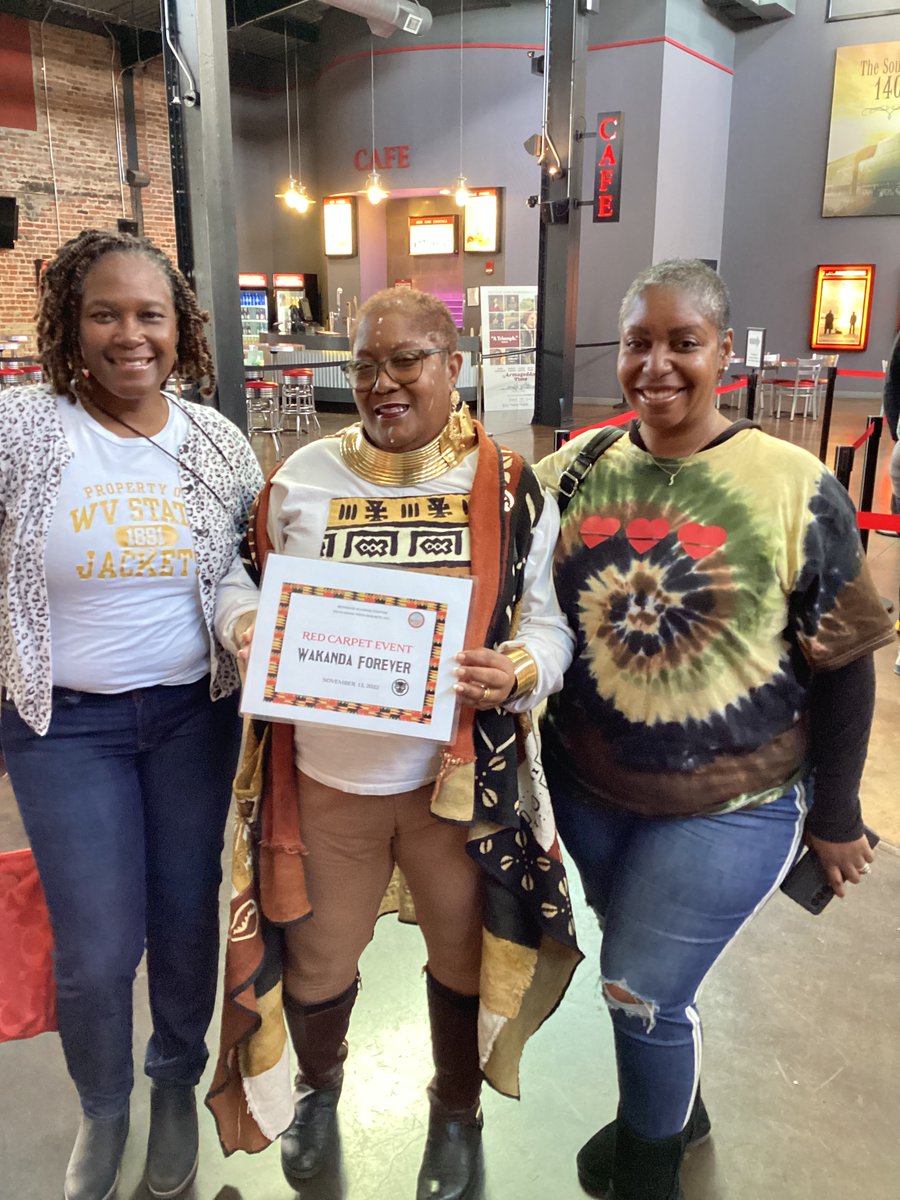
x,y
273,15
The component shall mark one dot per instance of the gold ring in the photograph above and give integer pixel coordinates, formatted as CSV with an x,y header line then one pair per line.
x,y
485,691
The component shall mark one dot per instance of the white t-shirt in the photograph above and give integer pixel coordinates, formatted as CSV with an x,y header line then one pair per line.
x,y
319,508
121,577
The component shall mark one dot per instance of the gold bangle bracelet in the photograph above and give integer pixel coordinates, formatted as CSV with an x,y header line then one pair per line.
x,y
525,669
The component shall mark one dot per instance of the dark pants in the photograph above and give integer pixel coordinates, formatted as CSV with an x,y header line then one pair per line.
x,y
124,802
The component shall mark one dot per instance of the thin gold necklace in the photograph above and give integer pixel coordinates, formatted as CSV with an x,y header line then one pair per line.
x,y
673,475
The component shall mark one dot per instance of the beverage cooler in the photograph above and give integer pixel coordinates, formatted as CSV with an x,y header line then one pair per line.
x,y
296,302
254,316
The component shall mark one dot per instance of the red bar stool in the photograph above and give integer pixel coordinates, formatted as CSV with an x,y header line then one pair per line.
x,y
12,377
298,403
263,416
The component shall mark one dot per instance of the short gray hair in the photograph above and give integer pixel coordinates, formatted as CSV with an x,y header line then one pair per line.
x,y
705,287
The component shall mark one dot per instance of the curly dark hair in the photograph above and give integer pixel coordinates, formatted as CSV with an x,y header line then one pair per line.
x,y
59,308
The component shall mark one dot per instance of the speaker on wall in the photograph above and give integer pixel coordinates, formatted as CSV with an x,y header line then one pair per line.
x,y
9,222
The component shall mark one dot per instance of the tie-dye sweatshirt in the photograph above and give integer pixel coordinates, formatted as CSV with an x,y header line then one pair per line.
x,y
701,608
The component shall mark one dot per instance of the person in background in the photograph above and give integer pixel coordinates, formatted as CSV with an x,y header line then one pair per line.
x,y
414,485
121,506
892,414
717,711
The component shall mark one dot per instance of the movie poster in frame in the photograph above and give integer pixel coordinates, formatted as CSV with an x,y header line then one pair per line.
x,y
842,303
339,219
852,10
862,173
482,221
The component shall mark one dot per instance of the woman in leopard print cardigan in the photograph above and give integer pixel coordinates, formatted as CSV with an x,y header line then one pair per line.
x,y
120,509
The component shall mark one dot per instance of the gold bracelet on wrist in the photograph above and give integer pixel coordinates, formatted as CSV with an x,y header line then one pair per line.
x,y
525,669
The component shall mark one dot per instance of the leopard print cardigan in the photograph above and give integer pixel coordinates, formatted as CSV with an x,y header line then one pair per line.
x,y
33,455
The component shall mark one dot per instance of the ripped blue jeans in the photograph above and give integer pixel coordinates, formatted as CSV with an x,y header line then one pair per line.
x,y
671,895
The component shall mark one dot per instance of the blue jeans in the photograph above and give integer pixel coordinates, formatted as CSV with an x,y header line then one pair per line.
x,y
671,895
124,802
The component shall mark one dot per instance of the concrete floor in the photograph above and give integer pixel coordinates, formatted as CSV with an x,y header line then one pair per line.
x,y
802,1052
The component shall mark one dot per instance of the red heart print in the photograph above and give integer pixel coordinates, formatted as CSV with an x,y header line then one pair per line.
x,y
700,540
644,534
595,530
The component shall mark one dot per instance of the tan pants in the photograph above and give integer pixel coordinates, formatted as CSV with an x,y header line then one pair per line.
x,y
353,843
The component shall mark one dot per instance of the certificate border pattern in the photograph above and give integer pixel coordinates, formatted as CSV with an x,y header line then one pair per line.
x,y
296,700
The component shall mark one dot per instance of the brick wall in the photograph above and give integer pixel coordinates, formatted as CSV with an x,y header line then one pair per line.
x,y
79,86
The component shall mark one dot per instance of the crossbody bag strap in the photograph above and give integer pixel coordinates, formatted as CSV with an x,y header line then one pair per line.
x,y
572,477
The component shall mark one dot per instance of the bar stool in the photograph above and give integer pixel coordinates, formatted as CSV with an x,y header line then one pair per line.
x,y
298,403
12,377
263,416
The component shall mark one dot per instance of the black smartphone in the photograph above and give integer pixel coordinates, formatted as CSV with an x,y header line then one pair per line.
x,y
805,882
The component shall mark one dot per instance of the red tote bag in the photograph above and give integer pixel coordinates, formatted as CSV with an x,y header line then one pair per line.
x,y
27,990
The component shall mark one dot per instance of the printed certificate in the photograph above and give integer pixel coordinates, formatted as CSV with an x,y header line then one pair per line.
x,y
362,647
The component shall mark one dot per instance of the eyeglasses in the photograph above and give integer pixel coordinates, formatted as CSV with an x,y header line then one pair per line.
x,y
405,366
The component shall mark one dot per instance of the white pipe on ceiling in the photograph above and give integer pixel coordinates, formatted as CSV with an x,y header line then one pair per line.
x,y
384,16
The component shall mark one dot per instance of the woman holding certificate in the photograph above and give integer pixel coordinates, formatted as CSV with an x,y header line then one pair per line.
x,y
414,485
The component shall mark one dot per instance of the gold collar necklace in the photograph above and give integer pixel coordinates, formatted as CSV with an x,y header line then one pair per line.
x,y
448,449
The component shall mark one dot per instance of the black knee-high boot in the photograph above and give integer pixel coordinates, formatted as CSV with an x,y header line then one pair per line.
x,y
452,1165
317,1032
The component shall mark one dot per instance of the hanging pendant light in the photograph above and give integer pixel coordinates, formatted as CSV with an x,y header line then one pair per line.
x,y
375,191
460,187
295,196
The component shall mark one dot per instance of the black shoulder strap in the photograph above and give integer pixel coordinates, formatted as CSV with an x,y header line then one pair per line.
x,y
571,479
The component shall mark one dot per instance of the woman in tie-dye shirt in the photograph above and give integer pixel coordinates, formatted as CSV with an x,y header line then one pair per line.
x,y
717,711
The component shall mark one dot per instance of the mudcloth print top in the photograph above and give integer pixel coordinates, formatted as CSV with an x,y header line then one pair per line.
x,y
701,610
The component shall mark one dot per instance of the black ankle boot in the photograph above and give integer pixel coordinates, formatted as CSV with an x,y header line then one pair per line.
x,y
172,1148
93,1170
317,1032
453,1165
595,1158
646,1168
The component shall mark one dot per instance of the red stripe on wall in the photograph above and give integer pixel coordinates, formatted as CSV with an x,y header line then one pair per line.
x,y
670,41
363,55
17,109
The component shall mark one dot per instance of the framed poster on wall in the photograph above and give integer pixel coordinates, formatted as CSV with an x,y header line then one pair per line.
x,y
862,175
339,217
851,10
482,216
841,306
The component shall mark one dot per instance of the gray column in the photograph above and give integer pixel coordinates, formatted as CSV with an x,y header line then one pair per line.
x,y
195,49
564,65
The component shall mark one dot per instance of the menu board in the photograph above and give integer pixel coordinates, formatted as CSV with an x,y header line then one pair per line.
x,y
433,235
339,216
482,222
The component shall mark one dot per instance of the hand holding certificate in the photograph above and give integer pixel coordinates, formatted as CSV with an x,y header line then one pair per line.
x,y
361,647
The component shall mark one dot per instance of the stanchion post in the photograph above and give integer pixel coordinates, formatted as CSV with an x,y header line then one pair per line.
x,y
870,472
843,464
751,393
826,413
560,437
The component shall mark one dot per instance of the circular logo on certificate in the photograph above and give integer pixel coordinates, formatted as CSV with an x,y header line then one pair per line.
x,y
416,620
399,687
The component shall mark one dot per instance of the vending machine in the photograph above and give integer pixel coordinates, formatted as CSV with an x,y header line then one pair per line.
x,y
254,316
296,302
